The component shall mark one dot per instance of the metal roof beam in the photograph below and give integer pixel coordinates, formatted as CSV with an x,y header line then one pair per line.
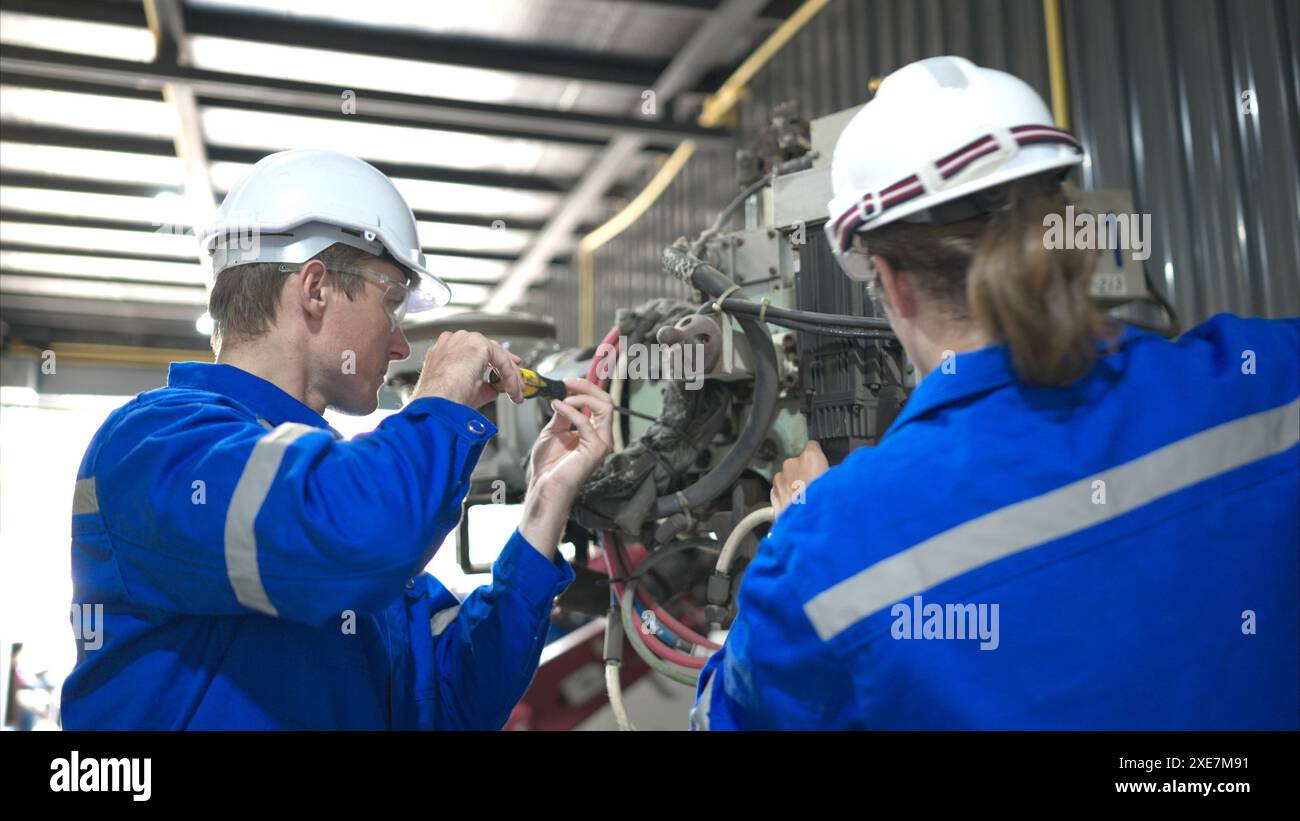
x,y
691,61
418,46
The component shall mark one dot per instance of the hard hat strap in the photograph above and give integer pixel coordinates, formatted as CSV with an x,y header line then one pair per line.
x,y
990,150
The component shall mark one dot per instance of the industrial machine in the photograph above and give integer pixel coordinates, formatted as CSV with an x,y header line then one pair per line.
x,y
776,348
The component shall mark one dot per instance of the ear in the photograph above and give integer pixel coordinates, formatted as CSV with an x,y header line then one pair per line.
x,y
309,288
898,287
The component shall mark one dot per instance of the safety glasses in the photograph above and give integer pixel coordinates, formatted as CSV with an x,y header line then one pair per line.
x,y
397,299
854,262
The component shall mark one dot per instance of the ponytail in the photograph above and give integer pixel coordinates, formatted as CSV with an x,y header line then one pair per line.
x,y
1034,298
996,271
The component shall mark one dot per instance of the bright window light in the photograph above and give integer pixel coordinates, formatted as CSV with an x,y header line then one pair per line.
x,y
114,166
40,449
18,395
179,273
76,36
119,115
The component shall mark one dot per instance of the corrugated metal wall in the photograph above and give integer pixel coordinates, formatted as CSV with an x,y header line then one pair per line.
x,y
627,268
1156,95
1155,91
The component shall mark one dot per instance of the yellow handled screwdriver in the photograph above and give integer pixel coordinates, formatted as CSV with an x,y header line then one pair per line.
x,y
534,385
537,385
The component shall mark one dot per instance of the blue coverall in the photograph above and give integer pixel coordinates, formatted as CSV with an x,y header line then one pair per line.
x,y
255,571
1133,539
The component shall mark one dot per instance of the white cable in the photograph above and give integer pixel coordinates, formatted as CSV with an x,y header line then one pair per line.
x,y
747,524
615,689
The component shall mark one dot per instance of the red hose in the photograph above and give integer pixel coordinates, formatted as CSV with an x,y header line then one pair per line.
x,y
614,564
615,568
667,618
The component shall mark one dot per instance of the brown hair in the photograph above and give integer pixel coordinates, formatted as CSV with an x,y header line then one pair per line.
x,y
996,269
245,298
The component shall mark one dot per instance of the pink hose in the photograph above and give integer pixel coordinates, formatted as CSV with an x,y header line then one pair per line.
x,y
615,568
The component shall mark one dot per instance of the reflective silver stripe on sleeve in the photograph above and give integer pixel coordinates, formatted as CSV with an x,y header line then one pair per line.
x,y
700,712
250,492
443,618
84,499
1055,514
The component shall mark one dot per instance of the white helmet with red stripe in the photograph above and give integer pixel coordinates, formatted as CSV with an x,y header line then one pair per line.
x,y
938,131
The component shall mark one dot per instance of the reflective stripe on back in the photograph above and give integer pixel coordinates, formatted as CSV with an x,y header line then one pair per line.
x,y
1053,515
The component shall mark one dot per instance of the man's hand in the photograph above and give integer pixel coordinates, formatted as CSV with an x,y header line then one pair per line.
x,y
796,474
569,448
455,364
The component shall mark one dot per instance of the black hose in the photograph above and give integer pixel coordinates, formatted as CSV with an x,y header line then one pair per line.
x,y
747,306
833,330
714,283
726,213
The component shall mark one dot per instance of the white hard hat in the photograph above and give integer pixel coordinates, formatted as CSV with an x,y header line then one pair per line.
x,y
938,130
294,204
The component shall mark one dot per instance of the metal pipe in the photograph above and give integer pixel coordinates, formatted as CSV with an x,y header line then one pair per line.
x,y
1056,63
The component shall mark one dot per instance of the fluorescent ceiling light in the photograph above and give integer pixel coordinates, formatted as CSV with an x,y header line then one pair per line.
x,y
426,195
353,72
160,243
114,291
463,294
437,313
104,267
391,143
149,210
466,268
480,200
632,29
63,109
77,36
459,18
116,166
473,237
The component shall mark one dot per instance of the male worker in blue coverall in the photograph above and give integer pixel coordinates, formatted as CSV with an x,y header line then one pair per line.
x,y
253,570
1115,549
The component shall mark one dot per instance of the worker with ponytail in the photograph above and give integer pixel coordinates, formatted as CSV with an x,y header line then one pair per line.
x,y
1071,523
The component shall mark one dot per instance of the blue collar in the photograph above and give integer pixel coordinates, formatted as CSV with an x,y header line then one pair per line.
x,y
976,372
260,396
